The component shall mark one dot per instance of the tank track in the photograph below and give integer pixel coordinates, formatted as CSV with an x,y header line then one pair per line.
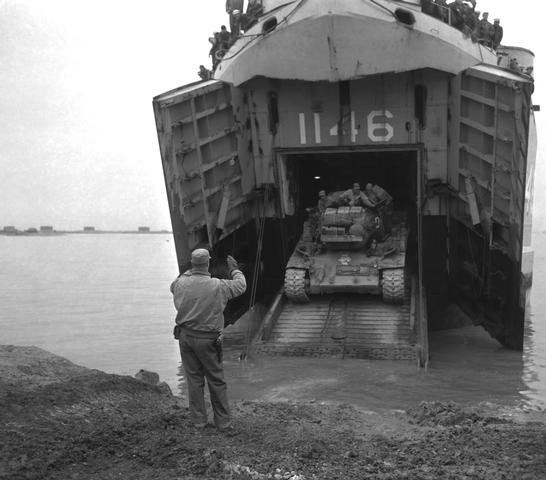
x,y
294,285
393,285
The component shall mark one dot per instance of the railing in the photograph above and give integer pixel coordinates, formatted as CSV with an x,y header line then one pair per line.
x,y
438,11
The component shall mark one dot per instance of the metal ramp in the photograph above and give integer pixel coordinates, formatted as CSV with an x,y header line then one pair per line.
x,y
348,326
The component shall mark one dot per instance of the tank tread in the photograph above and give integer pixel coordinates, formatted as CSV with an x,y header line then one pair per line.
x,y
393,285
294,285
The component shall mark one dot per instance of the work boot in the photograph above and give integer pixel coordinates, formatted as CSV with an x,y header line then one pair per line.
x,y
225,426
227,429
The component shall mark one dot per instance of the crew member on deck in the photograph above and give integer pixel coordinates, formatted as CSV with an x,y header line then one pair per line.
x,y
457,9
214,49
496,34
224,38
442,10
204,73
234,8
484,30
253,11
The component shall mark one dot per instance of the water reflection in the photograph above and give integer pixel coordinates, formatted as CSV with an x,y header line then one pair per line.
x,y
534,364
467,366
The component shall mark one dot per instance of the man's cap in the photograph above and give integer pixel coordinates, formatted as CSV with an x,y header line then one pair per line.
x,y
497,20
200,256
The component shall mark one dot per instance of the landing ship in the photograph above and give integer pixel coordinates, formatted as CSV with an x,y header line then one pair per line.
x,y
317,95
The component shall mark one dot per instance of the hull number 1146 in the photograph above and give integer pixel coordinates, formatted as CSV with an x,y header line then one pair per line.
x,y
378,129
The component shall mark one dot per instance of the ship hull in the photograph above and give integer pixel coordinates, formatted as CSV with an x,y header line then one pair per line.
x,y
341,40
341,92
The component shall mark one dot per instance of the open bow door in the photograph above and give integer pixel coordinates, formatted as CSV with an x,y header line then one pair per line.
x,y
490,122
208,191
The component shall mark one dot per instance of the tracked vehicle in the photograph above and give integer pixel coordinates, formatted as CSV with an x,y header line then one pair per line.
x,y
345,250
318,94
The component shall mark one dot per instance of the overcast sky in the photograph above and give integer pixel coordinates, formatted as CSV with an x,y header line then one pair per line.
x,y
78,144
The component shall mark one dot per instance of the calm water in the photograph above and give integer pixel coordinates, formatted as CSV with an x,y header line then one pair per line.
x,y
103,301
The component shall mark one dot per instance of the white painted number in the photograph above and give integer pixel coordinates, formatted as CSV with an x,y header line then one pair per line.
x,y
378,131
382,127
303,134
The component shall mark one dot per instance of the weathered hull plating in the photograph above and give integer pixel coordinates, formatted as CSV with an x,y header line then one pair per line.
x,y
338,40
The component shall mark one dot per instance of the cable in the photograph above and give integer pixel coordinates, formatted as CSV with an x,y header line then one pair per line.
x,y
382,6
256,272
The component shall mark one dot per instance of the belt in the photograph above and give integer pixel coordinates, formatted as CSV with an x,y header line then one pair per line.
x,y
190,332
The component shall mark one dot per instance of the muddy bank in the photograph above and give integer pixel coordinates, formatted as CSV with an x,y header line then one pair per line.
x,y
61,421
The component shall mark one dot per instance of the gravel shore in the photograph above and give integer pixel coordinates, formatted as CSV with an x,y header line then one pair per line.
x,y
62,421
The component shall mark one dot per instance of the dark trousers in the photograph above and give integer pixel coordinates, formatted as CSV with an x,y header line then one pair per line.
x,y
201,360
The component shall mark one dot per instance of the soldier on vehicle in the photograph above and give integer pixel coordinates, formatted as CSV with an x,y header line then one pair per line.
x,y
323,202
234,8
378,195
496,34
383,203
200,301
356,197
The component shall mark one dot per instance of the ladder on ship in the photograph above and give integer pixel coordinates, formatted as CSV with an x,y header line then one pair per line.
x,y
343,325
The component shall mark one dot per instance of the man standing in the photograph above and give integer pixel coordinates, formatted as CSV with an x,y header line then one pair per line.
x,y
457,9
234,8
496,34
215,42
200,301
224,38
484,30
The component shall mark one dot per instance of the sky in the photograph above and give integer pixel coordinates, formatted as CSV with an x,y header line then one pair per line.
x,y
78,144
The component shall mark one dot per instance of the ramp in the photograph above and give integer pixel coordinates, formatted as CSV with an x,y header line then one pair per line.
x,y
349,326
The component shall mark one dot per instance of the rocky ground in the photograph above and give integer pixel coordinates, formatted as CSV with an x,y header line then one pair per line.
x,y
61,421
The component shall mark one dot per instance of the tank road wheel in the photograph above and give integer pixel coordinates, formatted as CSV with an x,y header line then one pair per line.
x,y
295,285
393,285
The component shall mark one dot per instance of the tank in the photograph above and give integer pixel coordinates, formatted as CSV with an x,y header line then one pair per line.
x,y
318,95
347,249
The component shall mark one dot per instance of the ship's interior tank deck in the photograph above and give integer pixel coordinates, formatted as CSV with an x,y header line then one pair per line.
x,y
342,323
395,171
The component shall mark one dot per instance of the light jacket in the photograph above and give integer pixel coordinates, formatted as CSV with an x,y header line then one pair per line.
x,y
200,299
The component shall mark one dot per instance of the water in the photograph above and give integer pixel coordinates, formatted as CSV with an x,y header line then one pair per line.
x,y
103,301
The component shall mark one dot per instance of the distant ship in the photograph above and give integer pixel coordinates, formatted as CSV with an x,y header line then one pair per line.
x,y
319,95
